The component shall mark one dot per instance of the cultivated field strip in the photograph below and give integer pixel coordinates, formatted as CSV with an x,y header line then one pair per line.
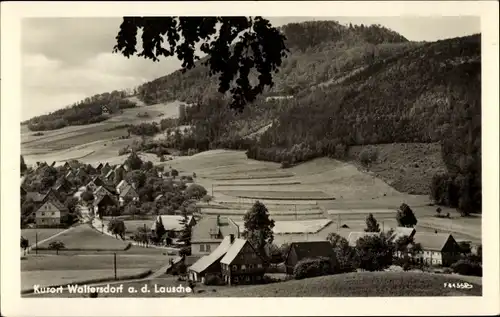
x,y
279,195
257,182
241,212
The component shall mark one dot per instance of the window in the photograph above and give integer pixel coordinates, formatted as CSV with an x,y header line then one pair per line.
x,y
259,265
254,255
207,248
243,267
235,267
43,214
202,248
250,266
53,213
235,279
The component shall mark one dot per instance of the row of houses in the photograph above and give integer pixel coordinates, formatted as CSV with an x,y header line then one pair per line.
x,y
223,253
437,248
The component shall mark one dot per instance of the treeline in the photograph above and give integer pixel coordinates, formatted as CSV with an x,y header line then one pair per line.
x,y
87,111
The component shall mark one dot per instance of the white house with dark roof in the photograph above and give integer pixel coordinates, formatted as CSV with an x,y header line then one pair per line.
x,y
437,248
210,264
51,213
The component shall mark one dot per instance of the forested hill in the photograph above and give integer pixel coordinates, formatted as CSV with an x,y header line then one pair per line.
x,y
319,51
352,86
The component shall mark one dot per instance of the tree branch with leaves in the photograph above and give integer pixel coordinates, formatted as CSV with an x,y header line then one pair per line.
x,y
235,46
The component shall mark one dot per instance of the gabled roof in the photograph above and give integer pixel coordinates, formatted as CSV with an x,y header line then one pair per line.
x,y
99,166
355,236
432,241
128,190
207,226
69,173
206,261
111,172
400,232
311,249
101,190
100,198
60,206
122,184
234,250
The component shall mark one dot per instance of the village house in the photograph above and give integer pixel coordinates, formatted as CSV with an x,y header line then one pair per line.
x,y
437,248
110,175
121,185
102,191
101,203
209,232
241,264
209,265
81,173
99,168
129,192
51,214
172,223
105,169
307,250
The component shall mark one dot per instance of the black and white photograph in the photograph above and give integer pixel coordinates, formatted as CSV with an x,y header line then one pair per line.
x,y
250,156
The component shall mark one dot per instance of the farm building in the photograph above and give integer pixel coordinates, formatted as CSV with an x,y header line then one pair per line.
x,y
209,232
355,236
172,223
307,250
242,264
51,214
129,192
105,169
437,248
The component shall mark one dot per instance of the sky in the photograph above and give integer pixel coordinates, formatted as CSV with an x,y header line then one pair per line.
x,y
65,60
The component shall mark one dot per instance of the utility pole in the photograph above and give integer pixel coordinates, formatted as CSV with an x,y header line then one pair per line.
x,y
114,264
36,242
212,190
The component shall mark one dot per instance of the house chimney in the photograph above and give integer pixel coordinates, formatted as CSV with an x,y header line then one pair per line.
x,y
231,238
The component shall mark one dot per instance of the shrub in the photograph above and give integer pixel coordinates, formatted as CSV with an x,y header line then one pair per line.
x,y
214,280
285,164
186,251
367,156
313,267
467,267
